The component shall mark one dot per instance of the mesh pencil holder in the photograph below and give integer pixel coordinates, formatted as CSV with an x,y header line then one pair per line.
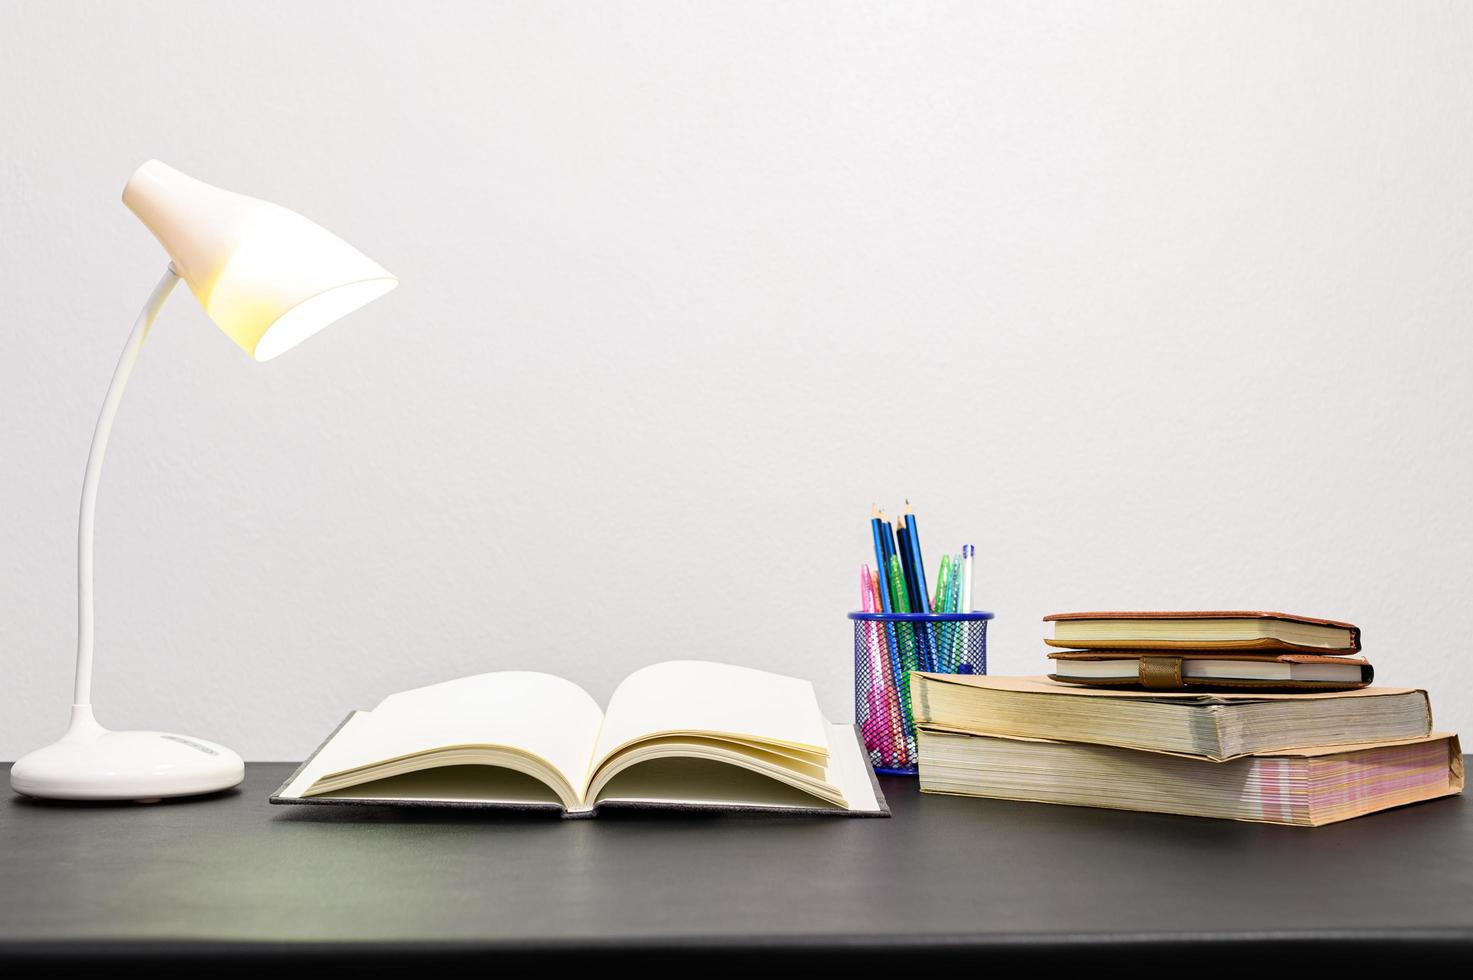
x,y
887,646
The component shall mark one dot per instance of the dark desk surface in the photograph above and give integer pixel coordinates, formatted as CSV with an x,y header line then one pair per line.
x,y
1008,882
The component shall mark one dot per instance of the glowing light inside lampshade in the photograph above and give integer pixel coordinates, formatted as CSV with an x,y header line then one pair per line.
x,y
267,276
284,279
310,316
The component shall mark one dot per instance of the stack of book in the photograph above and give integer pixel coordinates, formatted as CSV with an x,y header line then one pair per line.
x,y
1245,716
1218,648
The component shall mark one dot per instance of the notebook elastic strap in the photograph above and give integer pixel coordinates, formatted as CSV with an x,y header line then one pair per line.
x,y
1160,673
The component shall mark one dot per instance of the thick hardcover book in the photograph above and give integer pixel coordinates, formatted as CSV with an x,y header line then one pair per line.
x,y
1202,629
684,735
1305,787
1210,725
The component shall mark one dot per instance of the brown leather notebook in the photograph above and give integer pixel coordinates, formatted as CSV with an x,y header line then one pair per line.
x,y
1182,670
1197,629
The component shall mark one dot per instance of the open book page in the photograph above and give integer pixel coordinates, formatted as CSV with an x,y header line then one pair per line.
x,y
702,777
808,776
548,719
692,697
480,783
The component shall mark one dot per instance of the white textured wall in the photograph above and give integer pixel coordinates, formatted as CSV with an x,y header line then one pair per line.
x,y
1162,305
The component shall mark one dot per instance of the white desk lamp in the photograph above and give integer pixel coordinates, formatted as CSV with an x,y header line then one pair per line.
x,y
270,279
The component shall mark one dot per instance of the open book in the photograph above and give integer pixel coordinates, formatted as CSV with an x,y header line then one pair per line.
x,y
684,734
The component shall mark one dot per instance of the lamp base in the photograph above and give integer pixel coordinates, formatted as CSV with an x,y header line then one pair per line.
x,y
92,763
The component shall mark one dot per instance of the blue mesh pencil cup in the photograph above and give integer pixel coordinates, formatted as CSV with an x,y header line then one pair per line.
x,y
887,647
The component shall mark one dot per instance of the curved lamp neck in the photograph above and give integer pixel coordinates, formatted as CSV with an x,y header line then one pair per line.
x,y
82,693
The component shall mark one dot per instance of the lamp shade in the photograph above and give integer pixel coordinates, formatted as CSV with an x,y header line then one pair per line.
x,y
268,277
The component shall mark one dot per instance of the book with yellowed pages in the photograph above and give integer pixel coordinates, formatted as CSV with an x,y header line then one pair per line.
x,y
1304,787
684,734
1209,725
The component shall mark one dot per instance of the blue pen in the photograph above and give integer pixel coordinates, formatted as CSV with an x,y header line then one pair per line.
x,y
953,604
965,601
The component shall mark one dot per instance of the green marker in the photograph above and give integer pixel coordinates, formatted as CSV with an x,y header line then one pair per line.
x,y
940,605
901,604
943,586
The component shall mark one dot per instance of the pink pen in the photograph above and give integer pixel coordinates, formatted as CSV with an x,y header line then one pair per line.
x,y
871,717
897,755
875,724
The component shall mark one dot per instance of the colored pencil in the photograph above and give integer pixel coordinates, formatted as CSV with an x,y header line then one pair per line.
x,y
918,564
887,540
920,601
